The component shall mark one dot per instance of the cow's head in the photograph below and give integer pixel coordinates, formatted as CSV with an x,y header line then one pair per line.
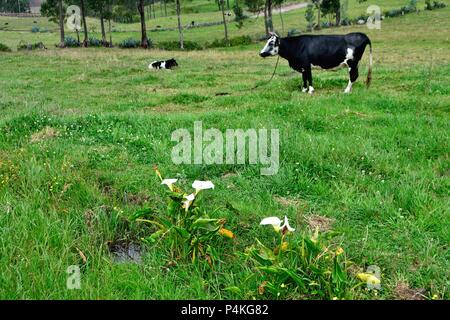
x,y
272,46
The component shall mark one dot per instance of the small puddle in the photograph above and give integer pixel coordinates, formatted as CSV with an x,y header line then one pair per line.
x,y
125,252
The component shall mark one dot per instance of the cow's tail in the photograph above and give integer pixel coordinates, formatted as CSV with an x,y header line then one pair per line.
x,y
369,73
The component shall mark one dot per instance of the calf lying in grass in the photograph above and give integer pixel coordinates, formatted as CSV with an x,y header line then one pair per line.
x,y
164,64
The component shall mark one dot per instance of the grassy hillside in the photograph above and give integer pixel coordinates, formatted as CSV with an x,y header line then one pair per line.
x,y
80,130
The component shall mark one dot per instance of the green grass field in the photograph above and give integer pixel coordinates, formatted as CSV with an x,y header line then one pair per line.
x,y
81,128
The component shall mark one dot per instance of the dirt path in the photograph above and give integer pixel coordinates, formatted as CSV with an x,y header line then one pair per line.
x,y
291,7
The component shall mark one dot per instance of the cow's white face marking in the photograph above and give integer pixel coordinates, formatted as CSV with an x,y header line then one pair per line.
x,y
271,48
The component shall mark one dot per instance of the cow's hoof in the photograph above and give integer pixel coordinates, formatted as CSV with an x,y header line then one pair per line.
x,y
305,90
311,90
347,91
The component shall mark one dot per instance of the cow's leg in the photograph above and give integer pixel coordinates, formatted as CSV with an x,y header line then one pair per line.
x,y
305,82
353,75
309,78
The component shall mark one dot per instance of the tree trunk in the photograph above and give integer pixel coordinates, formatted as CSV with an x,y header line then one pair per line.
x,y
110,32
102,26
228,4
269,16
318,18
282,21
165,8
180,28
338,16
266,26
62,43
83,17
224,21
144,39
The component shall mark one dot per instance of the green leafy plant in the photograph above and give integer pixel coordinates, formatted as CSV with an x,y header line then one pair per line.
x,y
175,45
71,42
129,43
310,16
186,227
30,46
434,5
94,42
233,42
239,15
300,266
4,48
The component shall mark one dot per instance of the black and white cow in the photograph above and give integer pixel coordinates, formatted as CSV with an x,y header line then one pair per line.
x,y
165,64
329,52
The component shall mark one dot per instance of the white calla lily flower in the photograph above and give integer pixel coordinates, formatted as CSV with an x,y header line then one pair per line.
x,y
202,185
169,183
275,222
286,225
189,199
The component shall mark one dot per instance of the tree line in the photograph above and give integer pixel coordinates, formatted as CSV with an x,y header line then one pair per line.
x,y
124,11
16,6
121,11
105,11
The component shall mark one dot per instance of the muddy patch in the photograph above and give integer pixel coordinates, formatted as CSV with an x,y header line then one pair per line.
x,y
136,199
229,175
125,252
44,134
320,222
403,292
89,217
287,202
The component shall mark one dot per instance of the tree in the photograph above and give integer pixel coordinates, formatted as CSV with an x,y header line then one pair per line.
x,y
222,5
318,4
144,38
279,4
256,6
16,6
83,18
62,43
268,16
165,7
332,8
180,27
55,11
130,6
309,16
239,14
102,9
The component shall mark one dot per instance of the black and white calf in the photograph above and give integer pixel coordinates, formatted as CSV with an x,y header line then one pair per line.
x,y
329,52
166,64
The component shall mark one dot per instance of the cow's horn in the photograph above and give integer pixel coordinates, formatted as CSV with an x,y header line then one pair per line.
x,y
272,33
